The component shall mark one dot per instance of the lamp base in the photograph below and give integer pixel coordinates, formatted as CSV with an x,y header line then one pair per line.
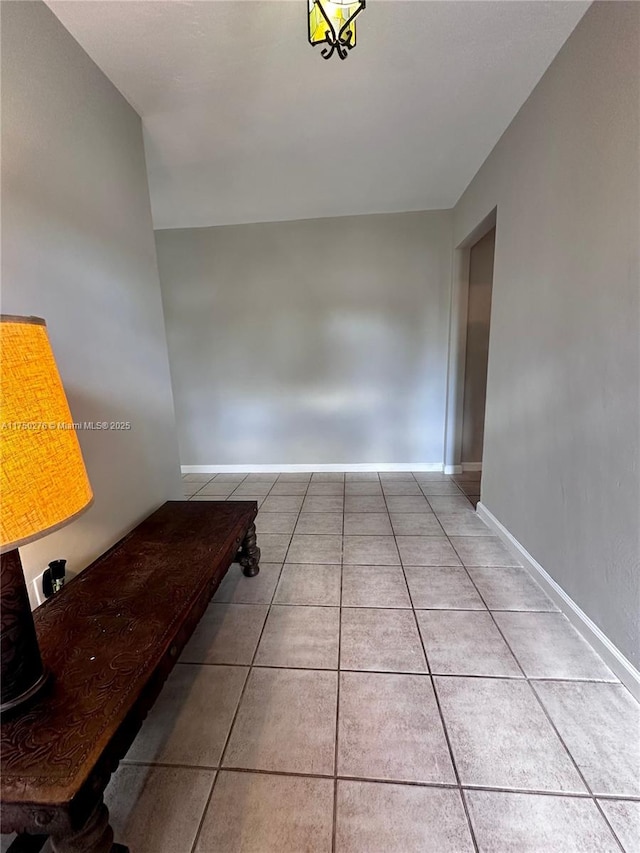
x,y
22,674
25,698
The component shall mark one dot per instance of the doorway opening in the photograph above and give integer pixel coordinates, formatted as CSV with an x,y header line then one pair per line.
x,y
469,357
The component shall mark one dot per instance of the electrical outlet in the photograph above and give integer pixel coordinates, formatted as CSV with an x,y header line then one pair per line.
x,y
36,595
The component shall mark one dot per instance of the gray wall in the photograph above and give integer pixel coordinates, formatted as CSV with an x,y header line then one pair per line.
x,y
477,349
78,250
561,432
315,341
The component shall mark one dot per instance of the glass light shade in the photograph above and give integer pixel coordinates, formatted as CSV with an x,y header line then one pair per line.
x,y
43,481
332,22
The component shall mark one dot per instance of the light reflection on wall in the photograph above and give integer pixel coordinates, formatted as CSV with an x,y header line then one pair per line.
x,y
278,358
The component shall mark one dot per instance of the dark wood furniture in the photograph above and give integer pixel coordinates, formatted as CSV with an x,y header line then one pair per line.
x,y
110,638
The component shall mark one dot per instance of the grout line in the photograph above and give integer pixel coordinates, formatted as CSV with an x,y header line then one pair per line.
x,y
334,829
528,680
517,678
437,701
204,810
233,720
535,792
395,607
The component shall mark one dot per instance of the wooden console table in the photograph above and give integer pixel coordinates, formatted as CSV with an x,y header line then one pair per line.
x,y
110,638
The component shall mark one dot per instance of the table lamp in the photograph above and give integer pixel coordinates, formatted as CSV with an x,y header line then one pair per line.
x,y
43,486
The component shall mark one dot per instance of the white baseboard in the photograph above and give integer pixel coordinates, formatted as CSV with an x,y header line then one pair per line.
x,y
472,466
452,469
610,654
301,468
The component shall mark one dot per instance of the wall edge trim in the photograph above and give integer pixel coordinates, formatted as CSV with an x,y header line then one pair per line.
x,y
608,651
452,469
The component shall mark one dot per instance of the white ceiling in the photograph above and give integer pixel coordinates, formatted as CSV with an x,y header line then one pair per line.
x,y
245,122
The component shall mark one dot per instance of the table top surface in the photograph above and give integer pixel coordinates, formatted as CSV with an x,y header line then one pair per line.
x,y
103,636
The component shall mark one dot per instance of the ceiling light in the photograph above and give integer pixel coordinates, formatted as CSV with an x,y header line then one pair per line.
x,y
332,23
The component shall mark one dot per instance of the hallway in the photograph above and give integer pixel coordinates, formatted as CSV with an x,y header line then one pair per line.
x,y
466,713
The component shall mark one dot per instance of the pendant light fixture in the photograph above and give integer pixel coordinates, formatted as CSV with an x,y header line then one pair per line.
x,y
332,23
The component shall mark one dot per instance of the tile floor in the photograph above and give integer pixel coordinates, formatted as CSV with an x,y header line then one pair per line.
x,y
391,682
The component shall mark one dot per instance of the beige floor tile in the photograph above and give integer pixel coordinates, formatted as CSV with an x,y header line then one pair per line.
x,y
276,522
367,524
259,499
416,524
534,823
361,477
624,817
282,503
390,476
462,523
510,589
364,503
294,477
230,478
227,633
374,586
323,503
259,813
375,817
367,488
380,640
320,522
199,478
431,477
468,477
449,502
286,722
465,642
253,488
442,587
315,548
371,551
216,488
400,487
501,737
599,724
390,729
311,584
157,809
273,546
327,477
439,488
189,489
300,637
426,551
407,503
191,718
326,489
211,498
482,551
237,588
548,646
289,487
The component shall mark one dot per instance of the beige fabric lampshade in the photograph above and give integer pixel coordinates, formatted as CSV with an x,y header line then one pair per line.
x,y
43,483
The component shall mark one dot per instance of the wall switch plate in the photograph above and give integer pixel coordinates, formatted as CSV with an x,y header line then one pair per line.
x,y
36,595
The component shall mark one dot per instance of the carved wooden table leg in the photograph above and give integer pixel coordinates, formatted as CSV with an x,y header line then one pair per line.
x,y
96,836
250,553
